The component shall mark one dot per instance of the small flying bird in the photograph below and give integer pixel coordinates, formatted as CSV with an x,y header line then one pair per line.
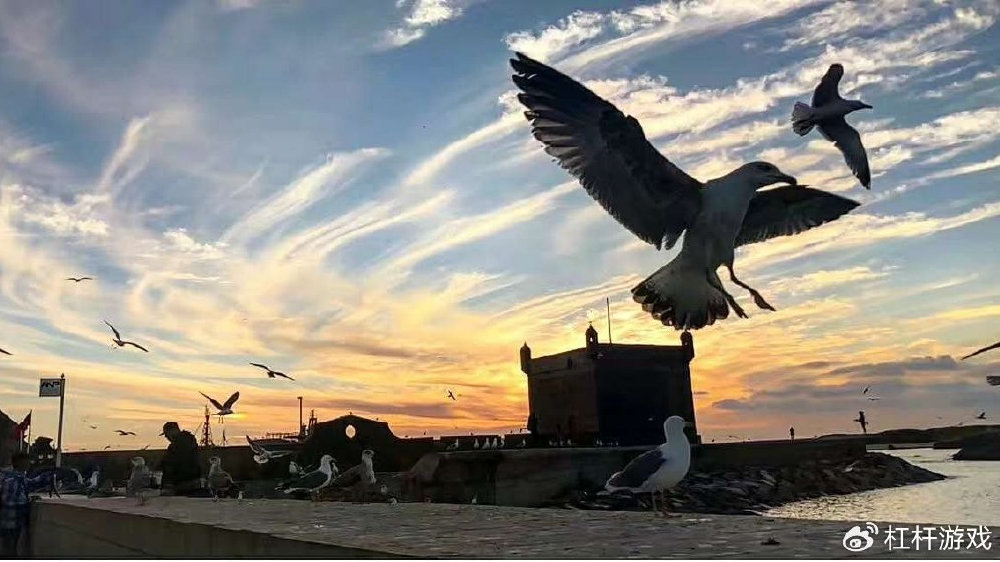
x,y
78,279
262,455
314,481
451,395
5,352
865,391
827,113
223,409
658,469
609,154
219,481
993,380
983,350
107,446
93,427
144,448
122,343
272,373
981,416
124,433
874,397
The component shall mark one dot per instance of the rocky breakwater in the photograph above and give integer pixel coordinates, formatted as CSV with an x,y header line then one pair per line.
x,y
985,447
754,489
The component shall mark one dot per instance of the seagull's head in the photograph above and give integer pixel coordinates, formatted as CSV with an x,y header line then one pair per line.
x,y
326,460
367,453
138,462
214,461
763,174
674,425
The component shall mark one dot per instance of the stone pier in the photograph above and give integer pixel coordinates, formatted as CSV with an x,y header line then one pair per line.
x,y
167,527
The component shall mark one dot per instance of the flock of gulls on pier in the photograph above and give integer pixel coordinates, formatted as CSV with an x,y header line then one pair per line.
x,y
607,151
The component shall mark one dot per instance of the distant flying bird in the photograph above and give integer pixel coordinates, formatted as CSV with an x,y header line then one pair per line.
x,y
271,373
124,433
827,114
93,427
6,352
981,416
144,448
451,395
107,446
78,279
609,154
874,398
658,469
865,391
993,380
983,350
223,409
122,343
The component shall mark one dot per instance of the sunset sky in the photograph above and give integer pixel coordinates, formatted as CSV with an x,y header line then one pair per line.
x,y
348,192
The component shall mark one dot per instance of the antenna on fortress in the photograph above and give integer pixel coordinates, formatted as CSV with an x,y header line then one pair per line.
x,y
206,432
608,301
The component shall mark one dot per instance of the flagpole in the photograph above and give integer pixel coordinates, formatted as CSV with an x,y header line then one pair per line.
x,y
62,399
27,445
608,300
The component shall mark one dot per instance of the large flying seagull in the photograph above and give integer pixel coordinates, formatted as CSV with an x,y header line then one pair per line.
x,y
657,201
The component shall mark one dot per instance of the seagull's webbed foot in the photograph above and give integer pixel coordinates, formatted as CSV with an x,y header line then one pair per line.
x,y
713,280
757,298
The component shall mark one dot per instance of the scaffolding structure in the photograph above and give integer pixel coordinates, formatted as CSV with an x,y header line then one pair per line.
x,y
206,430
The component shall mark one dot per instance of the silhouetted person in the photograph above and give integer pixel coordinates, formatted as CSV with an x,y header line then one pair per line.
x,y
181,470
532,427
15,506
861,420
791,433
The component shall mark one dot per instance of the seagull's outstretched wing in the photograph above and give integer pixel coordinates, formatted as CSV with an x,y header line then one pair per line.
x,y
232,400
826,92
265,367
257,449
608,152
117,335
5,352
135,345
280,374
983,350
212,400
993,380
789,210
847,139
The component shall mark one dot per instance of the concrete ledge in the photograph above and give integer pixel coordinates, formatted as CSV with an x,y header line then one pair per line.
x,y
169,527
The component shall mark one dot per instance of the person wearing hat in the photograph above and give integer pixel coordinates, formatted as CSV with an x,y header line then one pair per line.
x,y
181,470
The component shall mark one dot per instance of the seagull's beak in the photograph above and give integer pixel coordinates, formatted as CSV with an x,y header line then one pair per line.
x,y
866,106
785,178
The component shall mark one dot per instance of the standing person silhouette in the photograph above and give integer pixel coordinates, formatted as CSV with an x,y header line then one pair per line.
x,y
791,433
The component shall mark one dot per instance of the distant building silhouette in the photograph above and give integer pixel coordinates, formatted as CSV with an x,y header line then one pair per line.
x,y
611,392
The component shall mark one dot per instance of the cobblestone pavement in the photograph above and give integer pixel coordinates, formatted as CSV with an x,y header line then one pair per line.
x,y
475,531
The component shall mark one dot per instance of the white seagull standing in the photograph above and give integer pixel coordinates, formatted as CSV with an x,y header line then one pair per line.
x,y
314,481
657,201
658,469
219,481
827,114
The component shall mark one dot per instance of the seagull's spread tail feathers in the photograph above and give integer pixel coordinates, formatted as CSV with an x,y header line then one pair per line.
x,y
802,116
679,295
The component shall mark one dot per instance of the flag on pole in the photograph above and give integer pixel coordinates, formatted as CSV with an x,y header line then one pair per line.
x,y
22,428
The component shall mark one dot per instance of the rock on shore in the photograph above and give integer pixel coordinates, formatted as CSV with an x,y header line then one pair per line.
x,y
984,447
754,489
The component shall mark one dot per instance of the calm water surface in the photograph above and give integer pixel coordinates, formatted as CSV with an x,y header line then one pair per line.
x,y
971,495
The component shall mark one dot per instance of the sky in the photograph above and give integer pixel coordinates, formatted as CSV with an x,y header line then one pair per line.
x,y
348,192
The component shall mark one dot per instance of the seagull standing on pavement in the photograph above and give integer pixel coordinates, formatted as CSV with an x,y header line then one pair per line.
x,y
657,201
659,469
827,114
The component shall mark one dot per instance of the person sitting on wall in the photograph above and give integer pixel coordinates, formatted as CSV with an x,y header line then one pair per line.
x,y
181,471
